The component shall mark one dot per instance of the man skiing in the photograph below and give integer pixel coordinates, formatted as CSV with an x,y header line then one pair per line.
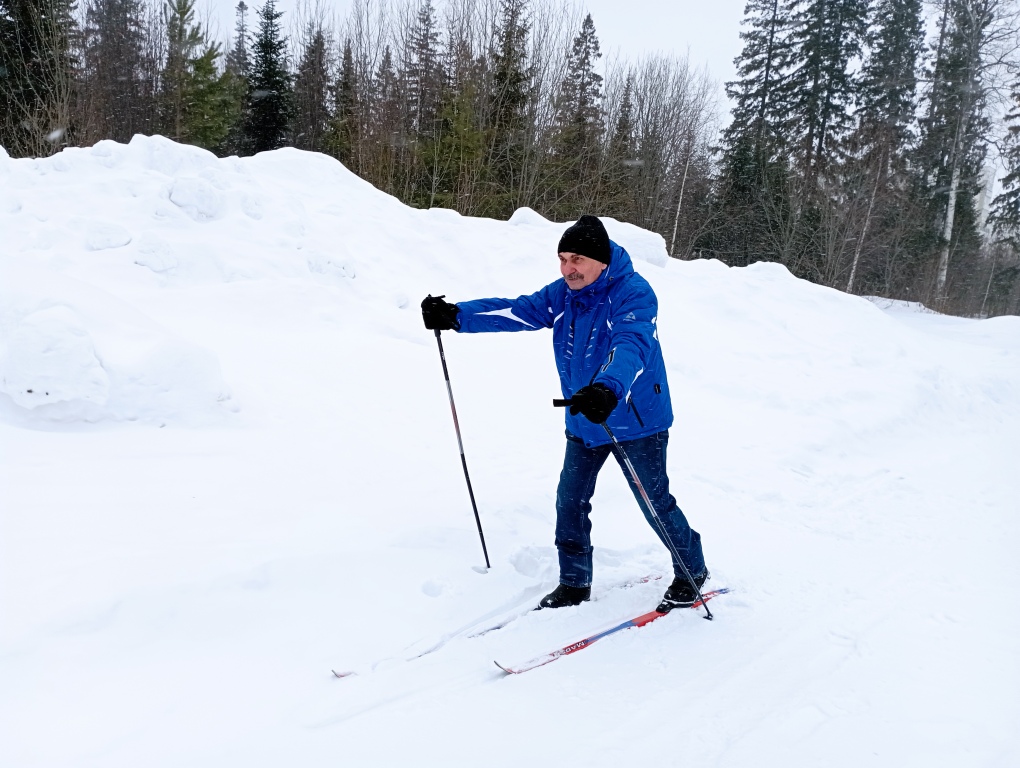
x,y
603,317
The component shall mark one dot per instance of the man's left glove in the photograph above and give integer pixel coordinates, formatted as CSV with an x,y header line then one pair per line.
x,y
439,315
595,402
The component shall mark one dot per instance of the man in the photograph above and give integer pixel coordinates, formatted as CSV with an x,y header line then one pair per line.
x,y
602,314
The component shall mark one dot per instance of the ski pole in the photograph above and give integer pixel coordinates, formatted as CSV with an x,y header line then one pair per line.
x,y
460,443
648,503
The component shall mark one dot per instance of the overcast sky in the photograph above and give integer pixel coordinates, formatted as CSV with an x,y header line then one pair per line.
x,y
707,30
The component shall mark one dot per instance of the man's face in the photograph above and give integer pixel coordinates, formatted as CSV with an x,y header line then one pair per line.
x,y
580,271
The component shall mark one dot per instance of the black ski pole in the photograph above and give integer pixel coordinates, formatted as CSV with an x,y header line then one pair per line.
x,y
648,503
460,443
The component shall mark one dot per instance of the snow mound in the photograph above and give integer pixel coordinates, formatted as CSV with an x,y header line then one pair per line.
x,y
849,467
72,353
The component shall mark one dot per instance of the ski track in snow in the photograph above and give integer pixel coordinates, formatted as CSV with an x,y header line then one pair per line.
x,y
227,466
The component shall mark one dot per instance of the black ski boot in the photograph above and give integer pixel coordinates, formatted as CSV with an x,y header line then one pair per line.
x,y
563,596
681,594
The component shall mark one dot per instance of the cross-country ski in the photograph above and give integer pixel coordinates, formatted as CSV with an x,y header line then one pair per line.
x,y
580,645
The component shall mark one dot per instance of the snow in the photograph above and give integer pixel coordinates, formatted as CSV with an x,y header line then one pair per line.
x,y
227,466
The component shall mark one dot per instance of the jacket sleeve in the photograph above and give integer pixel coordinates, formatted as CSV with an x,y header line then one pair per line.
x,y
632,338
525,313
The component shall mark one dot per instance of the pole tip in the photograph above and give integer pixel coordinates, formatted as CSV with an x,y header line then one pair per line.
x,y
479,569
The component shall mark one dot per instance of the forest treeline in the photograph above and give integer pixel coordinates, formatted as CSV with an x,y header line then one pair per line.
x,y
858,152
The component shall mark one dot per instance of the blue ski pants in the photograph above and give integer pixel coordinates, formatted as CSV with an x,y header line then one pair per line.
x,y
581,466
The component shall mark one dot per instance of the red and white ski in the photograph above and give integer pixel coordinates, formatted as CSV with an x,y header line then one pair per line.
x,y
566,650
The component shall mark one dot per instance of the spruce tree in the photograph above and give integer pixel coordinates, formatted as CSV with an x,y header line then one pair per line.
x,y
270,94
758,107
618,180
951,152
572,177
119,99
423,72
311,92
876,178
819,89
237,73
751,201
511,93
344,129
1005,216
184,38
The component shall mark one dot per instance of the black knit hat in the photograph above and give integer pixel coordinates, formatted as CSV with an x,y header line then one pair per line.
x,y
587,237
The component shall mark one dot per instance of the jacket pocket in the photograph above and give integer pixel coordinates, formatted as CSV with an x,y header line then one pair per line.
x,y
632,407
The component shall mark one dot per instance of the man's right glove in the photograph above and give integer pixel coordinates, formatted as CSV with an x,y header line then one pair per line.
x,y
595,402
439,315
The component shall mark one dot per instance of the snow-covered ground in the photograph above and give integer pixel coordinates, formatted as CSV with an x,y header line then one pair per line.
x,y
227,466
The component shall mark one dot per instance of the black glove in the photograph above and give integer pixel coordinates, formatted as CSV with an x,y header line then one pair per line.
x,y
439,315
595,402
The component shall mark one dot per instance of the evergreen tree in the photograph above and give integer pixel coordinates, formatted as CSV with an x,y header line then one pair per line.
x,y
572,177
620,159
238,61
876,179
37,72
423,72
819,89
119,90
270,94
950,156
509,101
237,82
344,130
388,137
758,109
753,210
1005,215
311,93
454,157
184,38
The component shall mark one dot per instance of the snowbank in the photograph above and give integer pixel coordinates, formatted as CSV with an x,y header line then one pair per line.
x,y
851,468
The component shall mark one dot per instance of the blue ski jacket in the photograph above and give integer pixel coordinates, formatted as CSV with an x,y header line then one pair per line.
x,y
603,333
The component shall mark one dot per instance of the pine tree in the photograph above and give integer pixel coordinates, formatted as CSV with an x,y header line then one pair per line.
x,y
345,127
212,108
311,93
388,137
454,156
758,109
620,159
887,105
572,178
818,91
118,87
509,102
950,155
1005,215
238,61
270,94
423,72
752,204
184,38
237,82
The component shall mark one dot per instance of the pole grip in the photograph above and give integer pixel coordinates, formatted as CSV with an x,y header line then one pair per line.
x,y
562,403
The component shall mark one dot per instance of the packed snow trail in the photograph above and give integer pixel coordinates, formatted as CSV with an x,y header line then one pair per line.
x,y
227,465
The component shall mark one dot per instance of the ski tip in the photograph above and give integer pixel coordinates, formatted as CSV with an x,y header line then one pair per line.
x,y
508,671
341,674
